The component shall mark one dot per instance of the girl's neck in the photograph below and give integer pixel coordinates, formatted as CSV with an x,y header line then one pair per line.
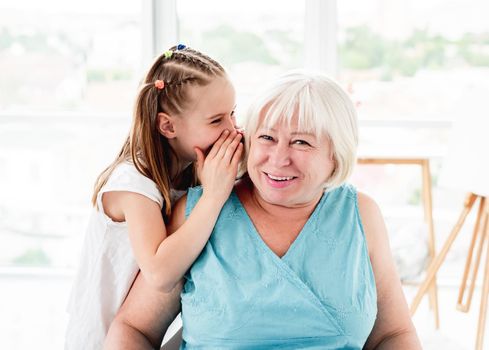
x,y
178,169
179,173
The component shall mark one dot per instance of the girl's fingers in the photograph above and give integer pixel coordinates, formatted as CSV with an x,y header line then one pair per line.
x,y
217,145
237,155
231,149
221,152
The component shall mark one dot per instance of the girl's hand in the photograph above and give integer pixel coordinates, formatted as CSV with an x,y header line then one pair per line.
x,y
218,170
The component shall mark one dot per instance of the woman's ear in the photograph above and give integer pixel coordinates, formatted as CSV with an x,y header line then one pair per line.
x,y
166,125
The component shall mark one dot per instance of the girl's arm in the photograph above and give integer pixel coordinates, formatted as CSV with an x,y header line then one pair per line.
x,y
163,258
393,327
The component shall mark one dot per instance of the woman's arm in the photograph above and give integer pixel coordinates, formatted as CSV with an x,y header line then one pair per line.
x,y
143,318
393,327
146,312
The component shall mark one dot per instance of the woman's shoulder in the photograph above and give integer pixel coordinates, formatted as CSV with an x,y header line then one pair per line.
x,y
367,204
372,221
194,193
348,190
344,190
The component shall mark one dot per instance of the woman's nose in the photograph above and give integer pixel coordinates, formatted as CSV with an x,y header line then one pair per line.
x,y
280,155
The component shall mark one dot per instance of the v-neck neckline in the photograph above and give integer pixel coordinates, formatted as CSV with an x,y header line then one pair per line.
x,y
255,234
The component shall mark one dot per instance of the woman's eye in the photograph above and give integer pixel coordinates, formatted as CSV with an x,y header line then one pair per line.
x,y
301,142
266,137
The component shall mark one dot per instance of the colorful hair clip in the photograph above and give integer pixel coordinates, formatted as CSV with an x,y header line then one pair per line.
x,y
181,47
168,53
159,84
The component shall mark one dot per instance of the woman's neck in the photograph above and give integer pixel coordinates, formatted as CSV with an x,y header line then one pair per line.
x,y
279,212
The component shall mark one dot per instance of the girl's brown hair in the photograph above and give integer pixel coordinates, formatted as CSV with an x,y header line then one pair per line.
x,y
150,151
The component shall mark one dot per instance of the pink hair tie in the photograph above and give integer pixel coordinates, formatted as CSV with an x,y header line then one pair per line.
x,y
159,84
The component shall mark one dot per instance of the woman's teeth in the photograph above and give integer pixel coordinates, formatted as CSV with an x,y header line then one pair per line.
x,y
280,178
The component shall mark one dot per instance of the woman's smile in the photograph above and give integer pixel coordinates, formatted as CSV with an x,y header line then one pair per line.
x,y
279,181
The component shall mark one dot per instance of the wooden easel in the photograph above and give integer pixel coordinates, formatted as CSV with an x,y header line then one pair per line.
x,y
479,238
427,201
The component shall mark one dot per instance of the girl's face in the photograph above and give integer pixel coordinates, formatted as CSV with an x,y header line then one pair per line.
x,y
201,124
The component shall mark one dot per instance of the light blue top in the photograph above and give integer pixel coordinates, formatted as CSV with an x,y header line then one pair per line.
x,y
320,295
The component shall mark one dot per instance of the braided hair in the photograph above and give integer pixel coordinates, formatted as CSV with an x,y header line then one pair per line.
x,y
175,71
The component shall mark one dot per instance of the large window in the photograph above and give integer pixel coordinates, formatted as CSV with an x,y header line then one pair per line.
x,y
69,56
413,67
69,76
254,40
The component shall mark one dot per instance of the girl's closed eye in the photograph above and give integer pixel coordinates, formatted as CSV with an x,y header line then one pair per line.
x,y
216,121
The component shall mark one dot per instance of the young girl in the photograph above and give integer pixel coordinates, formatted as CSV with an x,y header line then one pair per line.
x,y
184,110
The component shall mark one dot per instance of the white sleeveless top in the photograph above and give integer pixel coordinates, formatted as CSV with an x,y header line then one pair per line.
x,y
107,266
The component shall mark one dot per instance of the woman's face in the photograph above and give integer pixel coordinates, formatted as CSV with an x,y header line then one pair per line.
x,y
203,121
289,167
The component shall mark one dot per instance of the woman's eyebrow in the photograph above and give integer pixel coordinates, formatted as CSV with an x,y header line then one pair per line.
x,y
306,133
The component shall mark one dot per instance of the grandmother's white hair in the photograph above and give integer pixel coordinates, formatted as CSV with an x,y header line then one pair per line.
x,y
321,106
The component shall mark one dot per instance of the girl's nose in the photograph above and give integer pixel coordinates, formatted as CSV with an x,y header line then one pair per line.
x,y
230,123
233,121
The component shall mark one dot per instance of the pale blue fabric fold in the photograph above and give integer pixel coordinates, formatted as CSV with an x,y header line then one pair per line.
x,y
320,295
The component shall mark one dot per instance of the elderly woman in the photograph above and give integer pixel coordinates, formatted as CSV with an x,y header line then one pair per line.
x,y
298,258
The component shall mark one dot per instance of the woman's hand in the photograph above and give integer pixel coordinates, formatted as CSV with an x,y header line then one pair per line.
x,y
218,170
